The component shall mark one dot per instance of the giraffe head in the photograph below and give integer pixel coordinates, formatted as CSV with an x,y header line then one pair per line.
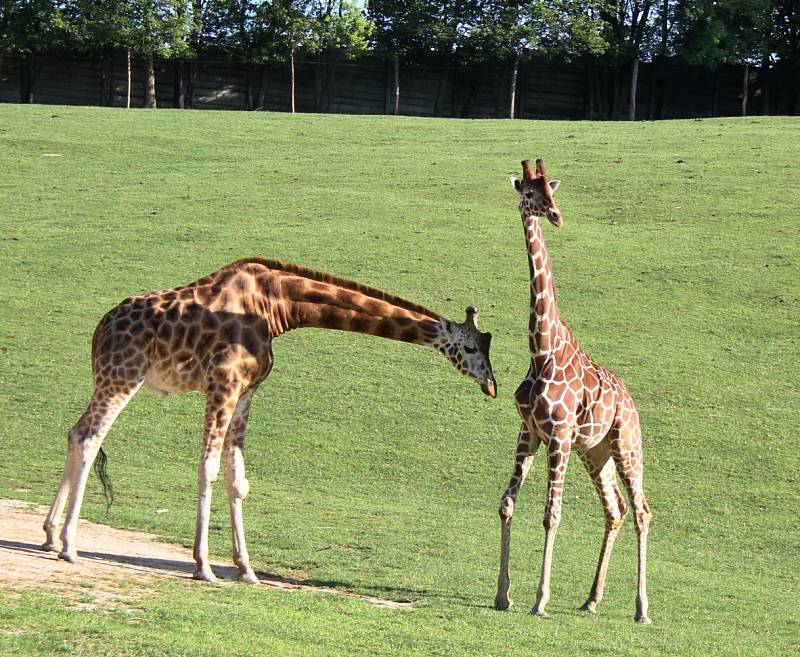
x,y
536,192
468,349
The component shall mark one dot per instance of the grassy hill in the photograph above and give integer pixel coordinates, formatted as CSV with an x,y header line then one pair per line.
x,y
374,466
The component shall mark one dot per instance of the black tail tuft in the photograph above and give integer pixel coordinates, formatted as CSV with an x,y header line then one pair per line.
x,y
102,473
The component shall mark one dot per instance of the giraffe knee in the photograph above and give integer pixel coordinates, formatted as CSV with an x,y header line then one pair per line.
x,y
643,517
240,488
614,522
551,521
506,508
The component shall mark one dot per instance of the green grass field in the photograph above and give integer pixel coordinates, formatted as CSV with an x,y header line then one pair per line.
x,y
374,466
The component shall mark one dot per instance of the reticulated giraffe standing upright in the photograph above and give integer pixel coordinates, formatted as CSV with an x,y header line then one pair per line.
x,y
567,401
215,335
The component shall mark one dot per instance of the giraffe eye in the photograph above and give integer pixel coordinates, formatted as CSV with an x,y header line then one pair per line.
x,y
528,194
470,350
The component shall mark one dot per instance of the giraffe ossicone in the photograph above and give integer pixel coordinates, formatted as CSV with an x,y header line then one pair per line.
x,y
215,336
567,401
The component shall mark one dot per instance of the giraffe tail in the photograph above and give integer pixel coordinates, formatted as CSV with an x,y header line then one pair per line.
x,y
100,469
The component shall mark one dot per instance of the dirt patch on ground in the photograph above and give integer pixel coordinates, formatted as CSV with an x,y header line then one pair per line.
x,y
113,563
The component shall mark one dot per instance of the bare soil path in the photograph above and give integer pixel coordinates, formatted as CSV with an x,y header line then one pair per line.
x,y
113,561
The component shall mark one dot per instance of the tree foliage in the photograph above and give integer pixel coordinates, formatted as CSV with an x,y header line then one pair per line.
x,y
709,32
551,28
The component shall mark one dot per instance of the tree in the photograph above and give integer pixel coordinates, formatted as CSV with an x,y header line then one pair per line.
x,y
517,31
404,31
784,35
628,29
158,28
28,27
734,32
334,27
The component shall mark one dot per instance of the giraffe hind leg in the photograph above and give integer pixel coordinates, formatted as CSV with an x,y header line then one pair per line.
x,y
85,439
626,447
601,469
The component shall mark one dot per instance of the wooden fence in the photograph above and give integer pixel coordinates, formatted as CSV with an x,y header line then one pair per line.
x,y
545,89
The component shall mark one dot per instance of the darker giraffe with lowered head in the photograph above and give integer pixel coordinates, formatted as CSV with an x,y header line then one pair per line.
x,y
567,401
215,335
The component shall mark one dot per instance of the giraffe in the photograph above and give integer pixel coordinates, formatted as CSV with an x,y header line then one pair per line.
x,y
215,336
568,401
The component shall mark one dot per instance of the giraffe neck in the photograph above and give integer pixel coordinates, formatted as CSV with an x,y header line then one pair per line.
x,y
317,304
546,331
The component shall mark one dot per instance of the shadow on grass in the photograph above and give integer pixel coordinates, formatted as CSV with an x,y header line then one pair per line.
x,y
400,597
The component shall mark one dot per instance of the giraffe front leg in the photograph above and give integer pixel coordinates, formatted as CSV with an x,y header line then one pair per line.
x,y
238,487
627,453
558,457
526,449
220,403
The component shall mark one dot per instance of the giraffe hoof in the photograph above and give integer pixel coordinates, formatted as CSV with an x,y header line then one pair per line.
x,y
589,607
248,577
503,604
541,613
643,620
49,547
69,557
205,575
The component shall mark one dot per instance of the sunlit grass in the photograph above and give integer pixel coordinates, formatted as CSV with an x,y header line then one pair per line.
x,y
374,466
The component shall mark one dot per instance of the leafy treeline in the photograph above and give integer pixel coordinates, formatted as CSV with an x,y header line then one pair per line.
x,y
446,32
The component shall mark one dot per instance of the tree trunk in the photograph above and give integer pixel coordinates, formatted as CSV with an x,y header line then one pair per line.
x,y
475,79
27,80
745,88
330,77
437,105
262,87
513,88
191,79
106,80
150,88
634,85
128,91
396,71
180,85
715,93
665,28
291,61
248,87
319,84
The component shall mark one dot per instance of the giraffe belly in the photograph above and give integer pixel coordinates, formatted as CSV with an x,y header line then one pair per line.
x,y
164,381
592,426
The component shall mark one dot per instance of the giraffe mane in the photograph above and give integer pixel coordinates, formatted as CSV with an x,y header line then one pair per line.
x,y
324,277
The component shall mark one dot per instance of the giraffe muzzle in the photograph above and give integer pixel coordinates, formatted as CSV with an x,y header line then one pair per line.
x,y
489,387
555,218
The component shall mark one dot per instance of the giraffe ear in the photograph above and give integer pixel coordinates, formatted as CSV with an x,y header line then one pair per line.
x,y
516,183
554,185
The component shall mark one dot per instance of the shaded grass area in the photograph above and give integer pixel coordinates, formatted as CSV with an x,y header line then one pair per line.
x,y
373,466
